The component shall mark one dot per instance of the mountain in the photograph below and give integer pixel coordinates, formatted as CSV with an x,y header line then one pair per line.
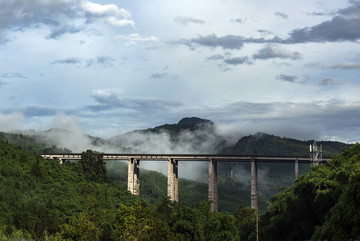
x,y
265,144
188,123
191,135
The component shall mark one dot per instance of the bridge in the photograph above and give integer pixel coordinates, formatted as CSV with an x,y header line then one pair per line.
x,y
173,159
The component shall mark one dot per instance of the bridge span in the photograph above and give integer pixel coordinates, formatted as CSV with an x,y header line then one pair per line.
x,y
173,159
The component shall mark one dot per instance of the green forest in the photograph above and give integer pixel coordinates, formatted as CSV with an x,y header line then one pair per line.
x,y
41,199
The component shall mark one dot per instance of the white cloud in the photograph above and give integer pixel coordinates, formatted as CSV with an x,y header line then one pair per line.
x,y
60,16
11,122
135,38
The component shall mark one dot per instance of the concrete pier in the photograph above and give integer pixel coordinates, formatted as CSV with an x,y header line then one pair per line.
x,y
296,169
213,185
173,181
137,177
133,176
254,185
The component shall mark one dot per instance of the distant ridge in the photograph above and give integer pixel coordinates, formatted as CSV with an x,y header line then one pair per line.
x,y
265,144
187,123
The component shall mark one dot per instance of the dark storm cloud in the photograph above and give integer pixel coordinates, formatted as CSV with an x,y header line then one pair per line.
x,y
238,60
281,15
274,51
287,78
188,20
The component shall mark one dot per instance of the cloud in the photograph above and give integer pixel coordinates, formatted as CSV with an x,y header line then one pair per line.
x,y
281,15
331,81
12,76
114,99
32,111
57,32
135,38
275,51
159,75
215,57
238,60
188,20
60,16
104,61
11,122
346,66
68,61
225,42
343,27
237,20
337,29
326,120
287,78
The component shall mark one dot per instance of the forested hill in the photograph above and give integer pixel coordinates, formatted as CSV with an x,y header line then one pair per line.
x,y
321,205
43,200
38,195
265,144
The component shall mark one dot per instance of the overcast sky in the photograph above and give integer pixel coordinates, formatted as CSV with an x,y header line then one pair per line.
x,y
290,68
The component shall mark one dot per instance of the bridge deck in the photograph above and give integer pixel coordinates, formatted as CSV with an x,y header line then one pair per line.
x,y
189,157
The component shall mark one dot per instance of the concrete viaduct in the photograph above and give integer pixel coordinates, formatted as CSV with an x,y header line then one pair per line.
x,y
173,159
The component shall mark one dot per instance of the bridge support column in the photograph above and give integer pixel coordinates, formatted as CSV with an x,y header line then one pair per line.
x,y
254,185
213,185
296,169
137,177
133,176
173,181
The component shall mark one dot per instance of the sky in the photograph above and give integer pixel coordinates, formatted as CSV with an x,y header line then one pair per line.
x,y
290,68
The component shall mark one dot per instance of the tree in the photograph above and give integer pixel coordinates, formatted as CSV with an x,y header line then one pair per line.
x,y
139,223
93,165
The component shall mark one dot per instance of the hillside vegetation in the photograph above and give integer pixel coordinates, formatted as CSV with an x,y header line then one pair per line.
x,y
43,200
321,205
38,195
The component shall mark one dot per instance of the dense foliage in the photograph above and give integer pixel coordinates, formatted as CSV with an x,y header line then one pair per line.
x,y
32,142
321,205
42,199
38,195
